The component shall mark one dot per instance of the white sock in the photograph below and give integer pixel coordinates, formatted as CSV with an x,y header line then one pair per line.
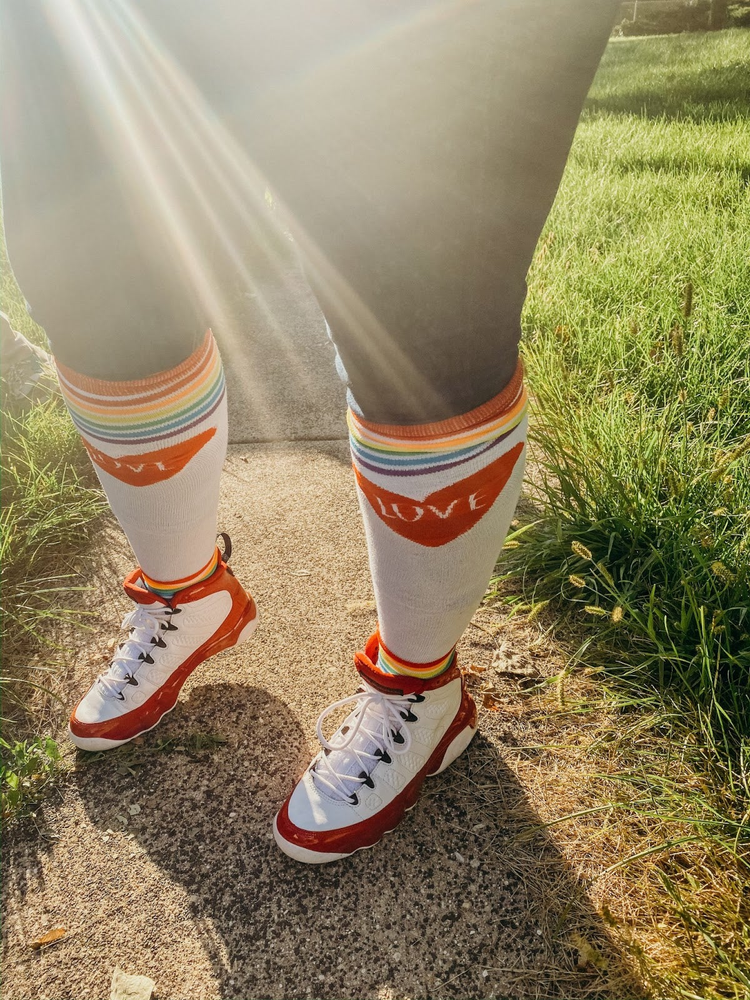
x,y
437,501
158,445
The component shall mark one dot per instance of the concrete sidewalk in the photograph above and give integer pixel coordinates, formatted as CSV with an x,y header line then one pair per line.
x,y
280,364
161,859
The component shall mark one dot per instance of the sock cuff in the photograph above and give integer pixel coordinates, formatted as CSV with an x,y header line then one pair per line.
x,y
148,410
129,390
166,588
393,664
498,411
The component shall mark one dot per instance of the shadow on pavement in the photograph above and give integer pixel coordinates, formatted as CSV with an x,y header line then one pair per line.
x,y
449,905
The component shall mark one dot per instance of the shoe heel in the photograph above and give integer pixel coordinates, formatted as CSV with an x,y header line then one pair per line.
x,y
238,633
248,629
456,748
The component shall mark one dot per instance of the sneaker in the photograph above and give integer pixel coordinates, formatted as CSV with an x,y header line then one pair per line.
x,y
401,731
167,640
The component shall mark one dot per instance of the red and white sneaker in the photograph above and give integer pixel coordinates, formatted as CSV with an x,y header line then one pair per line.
x,y
402,730
167,640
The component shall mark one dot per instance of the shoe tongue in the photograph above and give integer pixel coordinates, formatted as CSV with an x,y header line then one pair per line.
x,y
344,761
137,591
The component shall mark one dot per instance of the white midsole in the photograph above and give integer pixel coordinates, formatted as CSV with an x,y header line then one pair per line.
x,y
455,748
302,853
97,743
248,629
453,751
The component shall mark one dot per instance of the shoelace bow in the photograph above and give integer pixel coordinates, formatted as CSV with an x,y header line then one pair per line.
x,y
377,716
145,626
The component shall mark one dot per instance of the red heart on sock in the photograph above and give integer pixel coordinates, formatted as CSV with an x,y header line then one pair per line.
x,y
151,466
445,514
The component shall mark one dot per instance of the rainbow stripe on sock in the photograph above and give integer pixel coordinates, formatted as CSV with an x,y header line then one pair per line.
x,y
146,411
168,588
443,447
422,449
392,664
145,431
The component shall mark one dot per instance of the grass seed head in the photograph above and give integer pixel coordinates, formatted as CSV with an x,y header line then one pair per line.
x,y
687,300
577,581
740,450
594,609
536,610
580,550
677,339
722,572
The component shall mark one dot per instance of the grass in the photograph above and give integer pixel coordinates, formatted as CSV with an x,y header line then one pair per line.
x,y
48,507
27,770
636,557
49,503
636,346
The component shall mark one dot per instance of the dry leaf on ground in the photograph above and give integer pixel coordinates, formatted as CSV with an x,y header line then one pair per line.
x,y
356,607
473,670
49,938
491,701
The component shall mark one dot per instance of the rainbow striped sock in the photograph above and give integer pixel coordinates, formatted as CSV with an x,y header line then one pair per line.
x,y
392,664
437,500
158,445
168,588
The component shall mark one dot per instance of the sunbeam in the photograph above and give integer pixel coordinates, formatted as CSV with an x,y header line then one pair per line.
x,y
194,182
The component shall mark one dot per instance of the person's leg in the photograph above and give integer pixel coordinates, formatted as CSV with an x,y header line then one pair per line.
x,y
433,150
94,223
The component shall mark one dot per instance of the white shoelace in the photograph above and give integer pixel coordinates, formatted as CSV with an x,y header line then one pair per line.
x,y
145,626
376,728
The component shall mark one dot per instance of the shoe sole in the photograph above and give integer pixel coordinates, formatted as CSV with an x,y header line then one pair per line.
x,y
453,751
99,743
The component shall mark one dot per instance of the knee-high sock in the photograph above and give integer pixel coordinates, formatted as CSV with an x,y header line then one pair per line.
x,y
437,500
158,445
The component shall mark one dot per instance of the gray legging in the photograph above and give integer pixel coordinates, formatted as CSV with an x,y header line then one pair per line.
x,y
415,148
